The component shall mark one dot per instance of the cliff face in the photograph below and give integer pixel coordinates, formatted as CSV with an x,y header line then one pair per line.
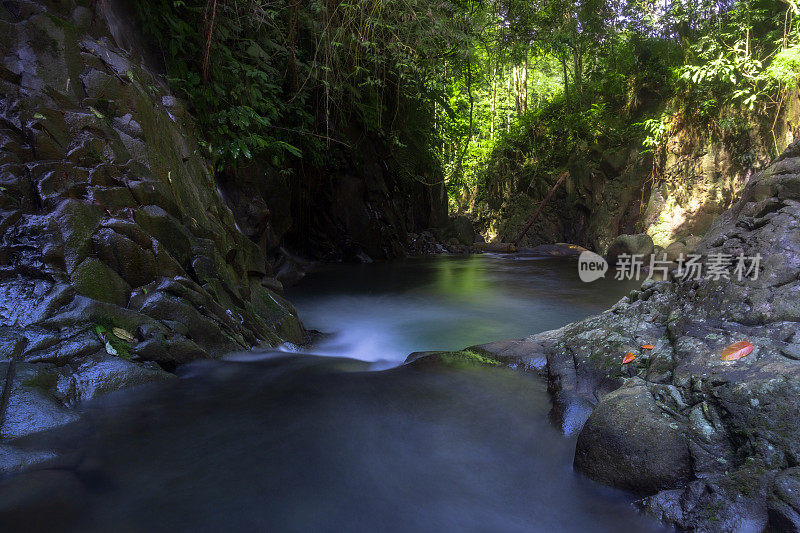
x,y
361,209
675,193
697,178
118,256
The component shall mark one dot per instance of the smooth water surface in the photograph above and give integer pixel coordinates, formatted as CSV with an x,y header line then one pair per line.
x,y
382,312
289,442
303,443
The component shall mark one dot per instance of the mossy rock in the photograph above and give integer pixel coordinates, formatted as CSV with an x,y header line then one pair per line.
x,y
464,358
93,279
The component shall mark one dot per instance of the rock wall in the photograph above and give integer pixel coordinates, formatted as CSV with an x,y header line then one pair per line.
x,y
698,177
603,196
360,209
119,258
672,195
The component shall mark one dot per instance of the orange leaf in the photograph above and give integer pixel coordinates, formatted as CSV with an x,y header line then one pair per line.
x,y
648,347
737,350
628,358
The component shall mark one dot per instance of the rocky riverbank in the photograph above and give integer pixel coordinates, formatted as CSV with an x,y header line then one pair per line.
x,y
119,259
710,445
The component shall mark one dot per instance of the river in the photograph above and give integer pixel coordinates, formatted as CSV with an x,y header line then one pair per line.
x,y
296,442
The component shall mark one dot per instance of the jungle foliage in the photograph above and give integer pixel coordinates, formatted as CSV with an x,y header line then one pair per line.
x,y
483,87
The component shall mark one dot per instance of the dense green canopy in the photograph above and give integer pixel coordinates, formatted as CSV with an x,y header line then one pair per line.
x,y
482,86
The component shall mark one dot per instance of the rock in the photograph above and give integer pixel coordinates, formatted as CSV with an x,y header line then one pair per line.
x,y
639,244
496,247
559,249
110,208
469,357
691,243
93,279
290,269
105,374
628,443
462,229
784,501
712,444
127,258
14,460
676,250
31,405
167,230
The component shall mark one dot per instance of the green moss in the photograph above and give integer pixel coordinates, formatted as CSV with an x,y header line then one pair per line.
x,y
93,279
469,357
712,511
42,380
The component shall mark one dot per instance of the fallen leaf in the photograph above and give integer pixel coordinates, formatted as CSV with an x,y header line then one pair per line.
x,y
628,358
648,347
122,334
110,349
737,350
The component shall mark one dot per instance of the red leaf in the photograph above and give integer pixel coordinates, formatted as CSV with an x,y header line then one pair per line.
x,y
628,358
737,350
648,347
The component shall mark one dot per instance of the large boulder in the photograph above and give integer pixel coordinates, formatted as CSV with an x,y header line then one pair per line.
x,y
462,229
638,244
627,442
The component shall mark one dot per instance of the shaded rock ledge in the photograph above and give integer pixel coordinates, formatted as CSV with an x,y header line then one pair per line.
x,y
109,218
709,445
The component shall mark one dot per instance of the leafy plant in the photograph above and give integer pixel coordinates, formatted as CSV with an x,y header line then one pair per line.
x,y
114,344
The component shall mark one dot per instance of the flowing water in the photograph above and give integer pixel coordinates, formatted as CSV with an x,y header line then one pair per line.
x,y
383,312
292,442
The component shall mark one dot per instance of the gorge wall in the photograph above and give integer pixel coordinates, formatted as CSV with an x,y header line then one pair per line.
x,y
361,207
670,193
119,258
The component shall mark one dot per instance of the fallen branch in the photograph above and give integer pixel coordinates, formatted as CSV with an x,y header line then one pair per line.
x,y
539,210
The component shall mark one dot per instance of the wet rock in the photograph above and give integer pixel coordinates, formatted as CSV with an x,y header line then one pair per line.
x,y
97,376
289,269
14,459
559,249
784,501
627,442
77,221
93,279
639,244
167,230
134,264
31,405
469,357
711,443
106,210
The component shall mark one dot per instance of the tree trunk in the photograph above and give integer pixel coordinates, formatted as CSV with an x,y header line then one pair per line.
x,y
577,61
494,97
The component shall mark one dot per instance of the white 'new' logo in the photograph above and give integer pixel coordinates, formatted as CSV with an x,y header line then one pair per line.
x,y
591,266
